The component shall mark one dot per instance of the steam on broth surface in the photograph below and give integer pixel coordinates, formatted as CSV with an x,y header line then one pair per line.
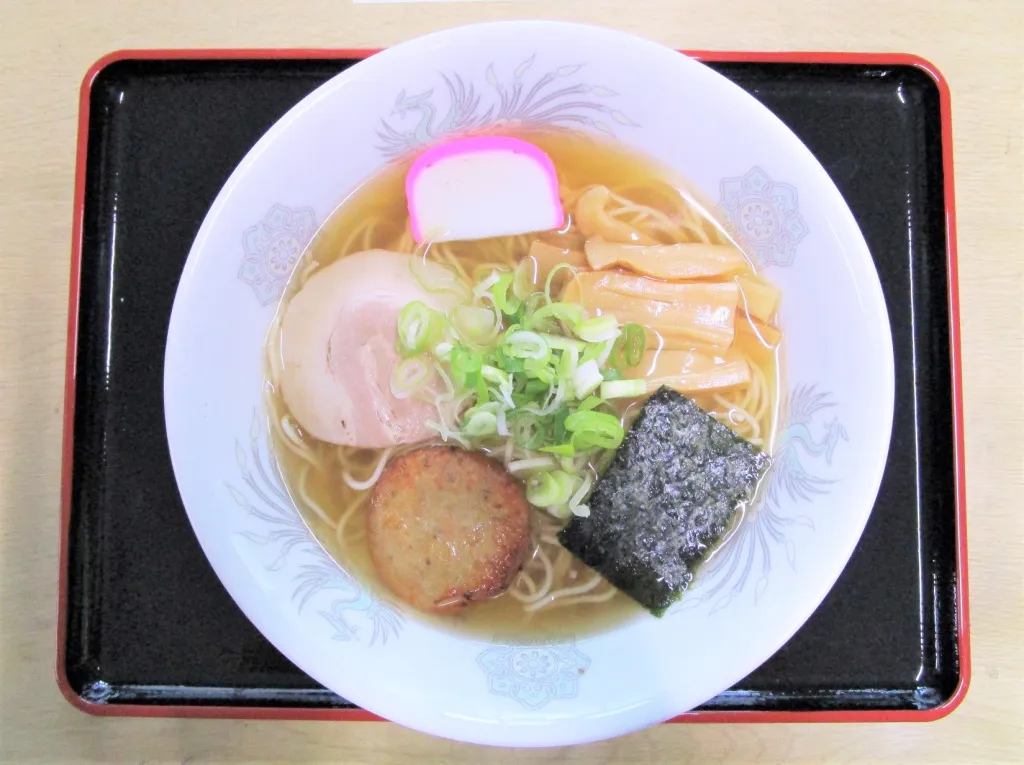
x,y
612,197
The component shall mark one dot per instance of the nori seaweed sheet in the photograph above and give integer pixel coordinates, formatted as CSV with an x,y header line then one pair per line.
x,y
667,498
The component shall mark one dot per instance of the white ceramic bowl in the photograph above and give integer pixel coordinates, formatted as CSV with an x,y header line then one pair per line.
x,y
835,427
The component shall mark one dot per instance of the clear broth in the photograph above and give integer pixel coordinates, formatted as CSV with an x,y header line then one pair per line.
x,y
581,162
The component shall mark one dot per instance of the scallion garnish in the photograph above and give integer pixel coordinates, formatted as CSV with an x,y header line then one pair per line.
x,y
527,372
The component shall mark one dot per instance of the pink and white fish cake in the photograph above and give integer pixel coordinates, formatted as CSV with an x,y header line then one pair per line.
x,y
482,187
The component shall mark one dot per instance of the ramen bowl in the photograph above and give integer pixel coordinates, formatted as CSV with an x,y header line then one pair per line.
x,y
566,683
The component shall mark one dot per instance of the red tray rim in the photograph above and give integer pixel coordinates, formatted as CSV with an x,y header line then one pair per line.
x,y
301,713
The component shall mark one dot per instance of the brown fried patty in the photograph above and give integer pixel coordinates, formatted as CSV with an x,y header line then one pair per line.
x,y
447,527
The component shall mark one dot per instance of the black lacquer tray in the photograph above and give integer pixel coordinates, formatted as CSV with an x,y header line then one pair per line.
x,y
145,626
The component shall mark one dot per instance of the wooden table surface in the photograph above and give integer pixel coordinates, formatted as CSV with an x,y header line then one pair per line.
x,y
44,51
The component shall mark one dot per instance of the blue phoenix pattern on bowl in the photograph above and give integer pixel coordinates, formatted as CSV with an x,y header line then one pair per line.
x,y
266,499
549,99
793,476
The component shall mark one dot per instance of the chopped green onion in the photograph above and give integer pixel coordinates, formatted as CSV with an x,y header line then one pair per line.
x,y
539,370
582,492
556,395
569,314
526,431
512,365
542,490
480,424
499,293
524,281
581,421
536,387
502,379
569,363
561,512
517,364
449,389
447,433
484,287
534,303
410,376
566,486
594,430
599,329
419,327
629,348
606,351
591,352
510,330
438,277
464,363
623,389
558,432
634,342
475,324
523,344
533,463
549,488
586,378
551,277
494,375
557,343
562,450
493,407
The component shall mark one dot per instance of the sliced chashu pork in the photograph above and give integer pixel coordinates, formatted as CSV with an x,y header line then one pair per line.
x,y
338,338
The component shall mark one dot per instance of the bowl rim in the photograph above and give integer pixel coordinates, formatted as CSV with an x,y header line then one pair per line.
x,y
510,26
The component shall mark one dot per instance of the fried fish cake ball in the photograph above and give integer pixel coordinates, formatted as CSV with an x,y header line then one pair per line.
x,y
447,527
